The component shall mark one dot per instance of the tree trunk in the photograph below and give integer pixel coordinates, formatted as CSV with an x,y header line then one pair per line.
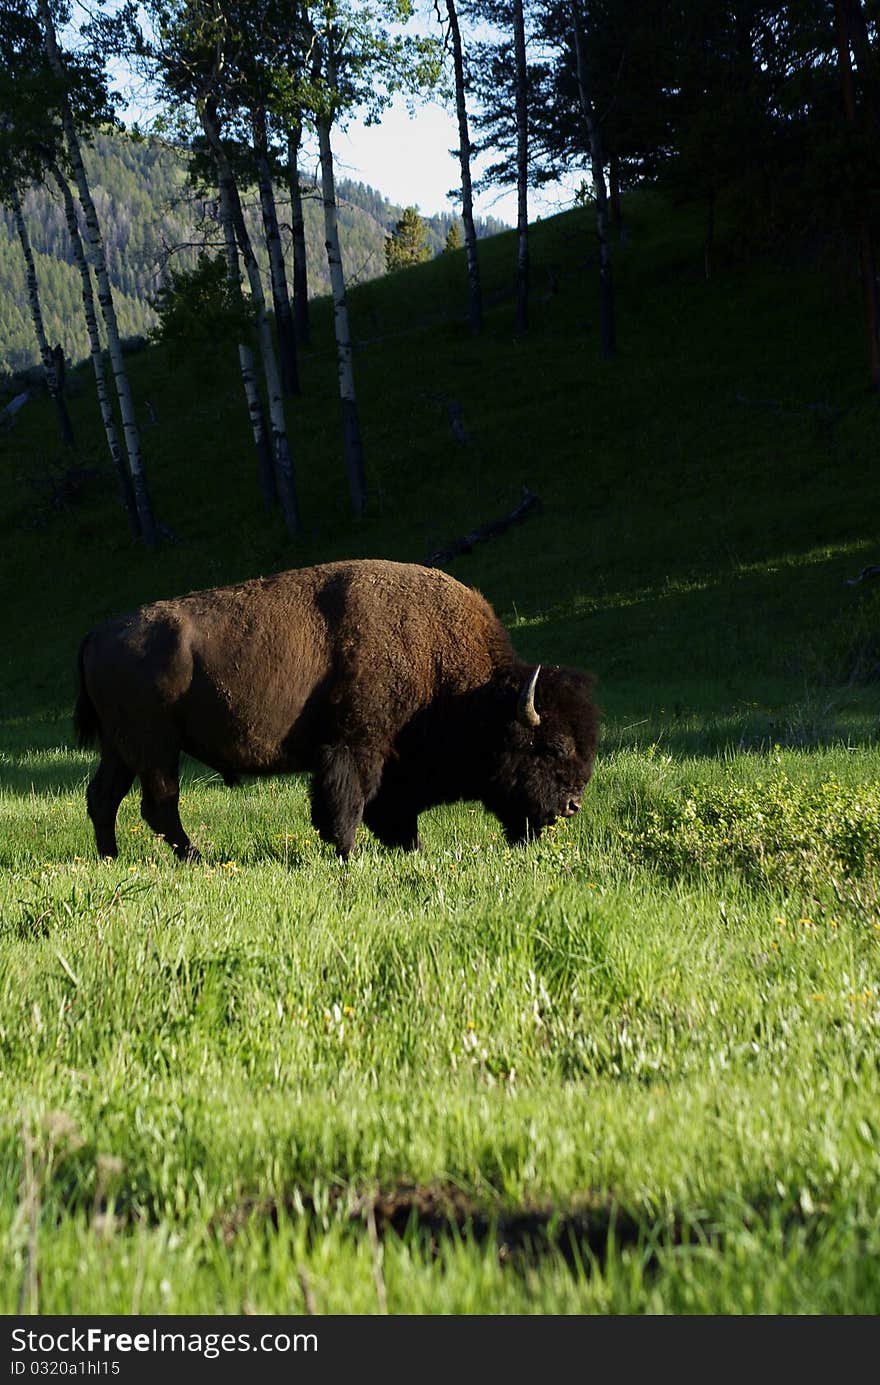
x,y
280,296
522,170
464,158
862,222
709,237
866,63
256,414
281,448
105,293
298,228
114,445
594,135
614,201
354,457
52,382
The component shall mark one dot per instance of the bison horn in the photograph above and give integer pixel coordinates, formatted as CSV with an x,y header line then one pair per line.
x,y
525,708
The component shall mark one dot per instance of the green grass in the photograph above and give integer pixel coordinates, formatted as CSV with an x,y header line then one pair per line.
x,y
635,1062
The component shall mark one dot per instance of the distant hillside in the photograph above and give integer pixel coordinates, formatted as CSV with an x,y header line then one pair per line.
x,y
148,214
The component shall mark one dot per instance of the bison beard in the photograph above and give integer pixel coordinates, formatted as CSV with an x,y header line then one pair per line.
x,y
393,685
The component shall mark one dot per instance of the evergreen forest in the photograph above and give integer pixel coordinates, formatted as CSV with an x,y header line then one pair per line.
x,y
154,221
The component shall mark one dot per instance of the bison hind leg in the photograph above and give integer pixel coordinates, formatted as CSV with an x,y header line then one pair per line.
x,y
160,802
393,821
107,788
337,798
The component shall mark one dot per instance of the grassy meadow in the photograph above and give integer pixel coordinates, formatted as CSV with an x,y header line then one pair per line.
x,y
629,1068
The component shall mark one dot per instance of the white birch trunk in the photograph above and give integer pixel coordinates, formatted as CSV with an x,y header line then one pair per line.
x,y
37,317
105,293
114,445
280,296
522,170
298,228
281,448
246,363
354,458
464,158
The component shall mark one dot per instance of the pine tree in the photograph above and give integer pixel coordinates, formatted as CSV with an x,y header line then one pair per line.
x,y
408,243
453,237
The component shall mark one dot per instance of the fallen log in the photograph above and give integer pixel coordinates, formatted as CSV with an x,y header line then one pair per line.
x,y
529,505
867,574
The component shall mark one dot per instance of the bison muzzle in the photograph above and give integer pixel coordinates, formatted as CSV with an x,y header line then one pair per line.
x,y
393,685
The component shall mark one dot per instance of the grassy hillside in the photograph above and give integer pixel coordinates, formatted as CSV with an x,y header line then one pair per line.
x,y
631,1067
705,495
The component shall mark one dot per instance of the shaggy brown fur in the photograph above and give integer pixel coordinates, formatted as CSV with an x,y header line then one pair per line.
x,y
392,684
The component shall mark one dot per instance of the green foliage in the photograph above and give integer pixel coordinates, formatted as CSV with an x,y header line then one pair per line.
x,y
31,97
198,307
776,832
366,57
454,238
738,107
408,243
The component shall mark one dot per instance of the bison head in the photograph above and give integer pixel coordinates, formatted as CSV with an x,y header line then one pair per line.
x,y
545,756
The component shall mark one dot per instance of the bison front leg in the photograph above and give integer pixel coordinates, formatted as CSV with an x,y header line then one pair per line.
x,y
106,790
340,787
160,809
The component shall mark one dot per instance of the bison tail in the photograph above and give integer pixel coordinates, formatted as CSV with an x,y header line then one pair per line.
x,y
85,718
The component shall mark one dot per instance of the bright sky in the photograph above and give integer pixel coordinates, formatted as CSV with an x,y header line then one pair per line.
x,y
408,159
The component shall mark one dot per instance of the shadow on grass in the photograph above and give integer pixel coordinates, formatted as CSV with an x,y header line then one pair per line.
x,y
733,627
814,724
739,660
811,726
582,1234
432,1215
45,771
65,770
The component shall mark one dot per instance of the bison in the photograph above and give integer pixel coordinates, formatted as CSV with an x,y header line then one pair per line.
x,y
393,685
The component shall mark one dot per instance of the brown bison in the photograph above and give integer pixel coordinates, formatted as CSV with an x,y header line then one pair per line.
x,y
393,685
